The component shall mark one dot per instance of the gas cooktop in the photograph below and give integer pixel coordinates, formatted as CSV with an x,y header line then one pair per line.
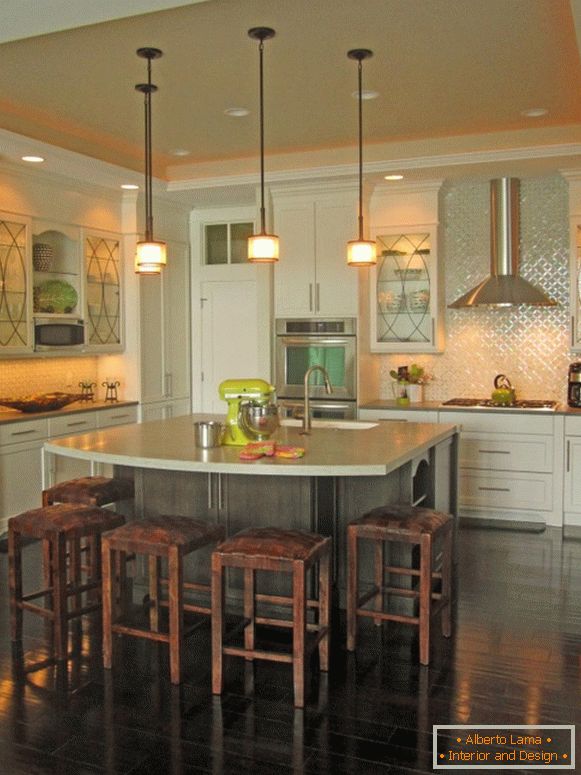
x,y
486,403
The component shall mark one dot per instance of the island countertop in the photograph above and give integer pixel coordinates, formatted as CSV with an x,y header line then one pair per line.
x,y
169,445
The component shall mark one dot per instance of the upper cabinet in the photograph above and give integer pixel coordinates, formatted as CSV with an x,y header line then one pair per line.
x,y
103,273
15,285
312,278
406,310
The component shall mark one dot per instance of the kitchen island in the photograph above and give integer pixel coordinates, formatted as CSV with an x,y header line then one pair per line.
x,y
343,473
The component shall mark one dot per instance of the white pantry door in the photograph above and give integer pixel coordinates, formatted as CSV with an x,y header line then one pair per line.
x,y
229,337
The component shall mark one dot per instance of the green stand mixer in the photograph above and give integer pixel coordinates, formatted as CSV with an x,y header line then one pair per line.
x,y
252,411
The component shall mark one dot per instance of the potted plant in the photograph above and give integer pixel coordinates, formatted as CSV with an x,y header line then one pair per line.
x,y
410,381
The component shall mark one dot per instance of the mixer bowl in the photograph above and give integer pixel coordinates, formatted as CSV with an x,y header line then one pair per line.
x,y
258,421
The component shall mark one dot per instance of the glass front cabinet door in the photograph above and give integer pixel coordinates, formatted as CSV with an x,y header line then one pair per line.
x,y
404,304
104,292
15,286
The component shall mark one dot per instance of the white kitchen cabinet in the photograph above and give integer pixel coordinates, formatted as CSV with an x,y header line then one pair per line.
x,y
103,292
16,335
507,466
165,331
572,472
20,479
405,299
165,410
398,415
312,278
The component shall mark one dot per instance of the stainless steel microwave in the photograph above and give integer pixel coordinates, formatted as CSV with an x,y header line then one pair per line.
x,y
58,333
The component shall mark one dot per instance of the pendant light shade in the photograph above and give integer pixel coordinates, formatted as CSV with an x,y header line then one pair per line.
x,y
150,254
262,247
361,252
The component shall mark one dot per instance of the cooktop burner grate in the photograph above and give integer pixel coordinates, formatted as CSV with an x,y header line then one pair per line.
x,y
487,403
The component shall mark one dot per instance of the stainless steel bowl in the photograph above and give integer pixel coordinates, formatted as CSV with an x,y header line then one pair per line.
x,y
258,421
208,433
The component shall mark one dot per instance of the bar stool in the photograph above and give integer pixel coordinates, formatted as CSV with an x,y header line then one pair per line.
x,y
58,526
416,526
90,491
272,549
170,537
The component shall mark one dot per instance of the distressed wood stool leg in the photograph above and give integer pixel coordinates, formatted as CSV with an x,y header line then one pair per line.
x,y
176,614
109,596
378,563
249,610
154,591
425,596
15,583
59,575
324,609
217,624
299,627
351,588
447,584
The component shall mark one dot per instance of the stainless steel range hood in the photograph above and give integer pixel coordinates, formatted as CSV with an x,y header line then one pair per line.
x,y
504,287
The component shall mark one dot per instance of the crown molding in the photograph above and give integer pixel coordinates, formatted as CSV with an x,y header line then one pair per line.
x,y
381,167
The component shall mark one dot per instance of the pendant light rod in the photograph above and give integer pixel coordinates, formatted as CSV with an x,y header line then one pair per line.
x,y
147,90
261,34
360,54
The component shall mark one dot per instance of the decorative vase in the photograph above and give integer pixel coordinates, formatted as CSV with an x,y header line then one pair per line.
x,y
42,257
415,393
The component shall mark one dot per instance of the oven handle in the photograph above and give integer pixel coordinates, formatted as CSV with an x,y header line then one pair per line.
x,y
306,341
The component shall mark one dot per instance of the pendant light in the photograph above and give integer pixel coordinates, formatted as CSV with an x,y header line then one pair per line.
x,y
150,255
361,252
262,247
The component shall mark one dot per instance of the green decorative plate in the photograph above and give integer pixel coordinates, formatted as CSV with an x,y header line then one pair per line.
x,y
55,296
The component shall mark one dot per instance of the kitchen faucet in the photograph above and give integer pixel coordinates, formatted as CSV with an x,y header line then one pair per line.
x,y
307,409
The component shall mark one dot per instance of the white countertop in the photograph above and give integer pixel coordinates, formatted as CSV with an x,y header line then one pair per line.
x,y
169,445
13,415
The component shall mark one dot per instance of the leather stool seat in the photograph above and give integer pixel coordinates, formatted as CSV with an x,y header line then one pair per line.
x,y
58,526
171,538
277,550
90,490
407,524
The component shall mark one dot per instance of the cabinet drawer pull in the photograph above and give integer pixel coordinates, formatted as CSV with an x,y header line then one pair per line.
x,y
495,451
23,433
317,298
568,455
495,489
118,416
310,297
75,424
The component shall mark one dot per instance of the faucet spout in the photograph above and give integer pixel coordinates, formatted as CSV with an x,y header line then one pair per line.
x,y
306,429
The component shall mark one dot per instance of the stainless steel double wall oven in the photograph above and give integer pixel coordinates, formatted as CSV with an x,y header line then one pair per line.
x,y
331,343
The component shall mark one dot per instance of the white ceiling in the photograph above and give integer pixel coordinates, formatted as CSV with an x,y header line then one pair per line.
x,y
453,78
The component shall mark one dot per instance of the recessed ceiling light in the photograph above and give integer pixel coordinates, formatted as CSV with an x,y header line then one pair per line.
x,y
393,177
236,112
130,186
180,152
534,112
33,159
366,94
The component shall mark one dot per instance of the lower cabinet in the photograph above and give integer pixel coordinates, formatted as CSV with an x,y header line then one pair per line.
x,y
509,464
21,464
572,472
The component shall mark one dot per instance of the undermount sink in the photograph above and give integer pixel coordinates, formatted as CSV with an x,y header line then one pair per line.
x,y
339,425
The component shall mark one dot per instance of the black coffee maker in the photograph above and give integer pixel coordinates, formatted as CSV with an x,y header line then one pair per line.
x,y
574,391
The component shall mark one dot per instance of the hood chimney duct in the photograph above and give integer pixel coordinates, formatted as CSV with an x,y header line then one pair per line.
x,y
504,287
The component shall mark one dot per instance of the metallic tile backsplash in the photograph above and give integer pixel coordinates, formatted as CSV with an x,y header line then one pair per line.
x,y
43,375
530,345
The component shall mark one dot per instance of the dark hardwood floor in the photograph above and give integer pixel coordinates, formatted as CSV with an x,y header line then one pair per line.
x,y
515,657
